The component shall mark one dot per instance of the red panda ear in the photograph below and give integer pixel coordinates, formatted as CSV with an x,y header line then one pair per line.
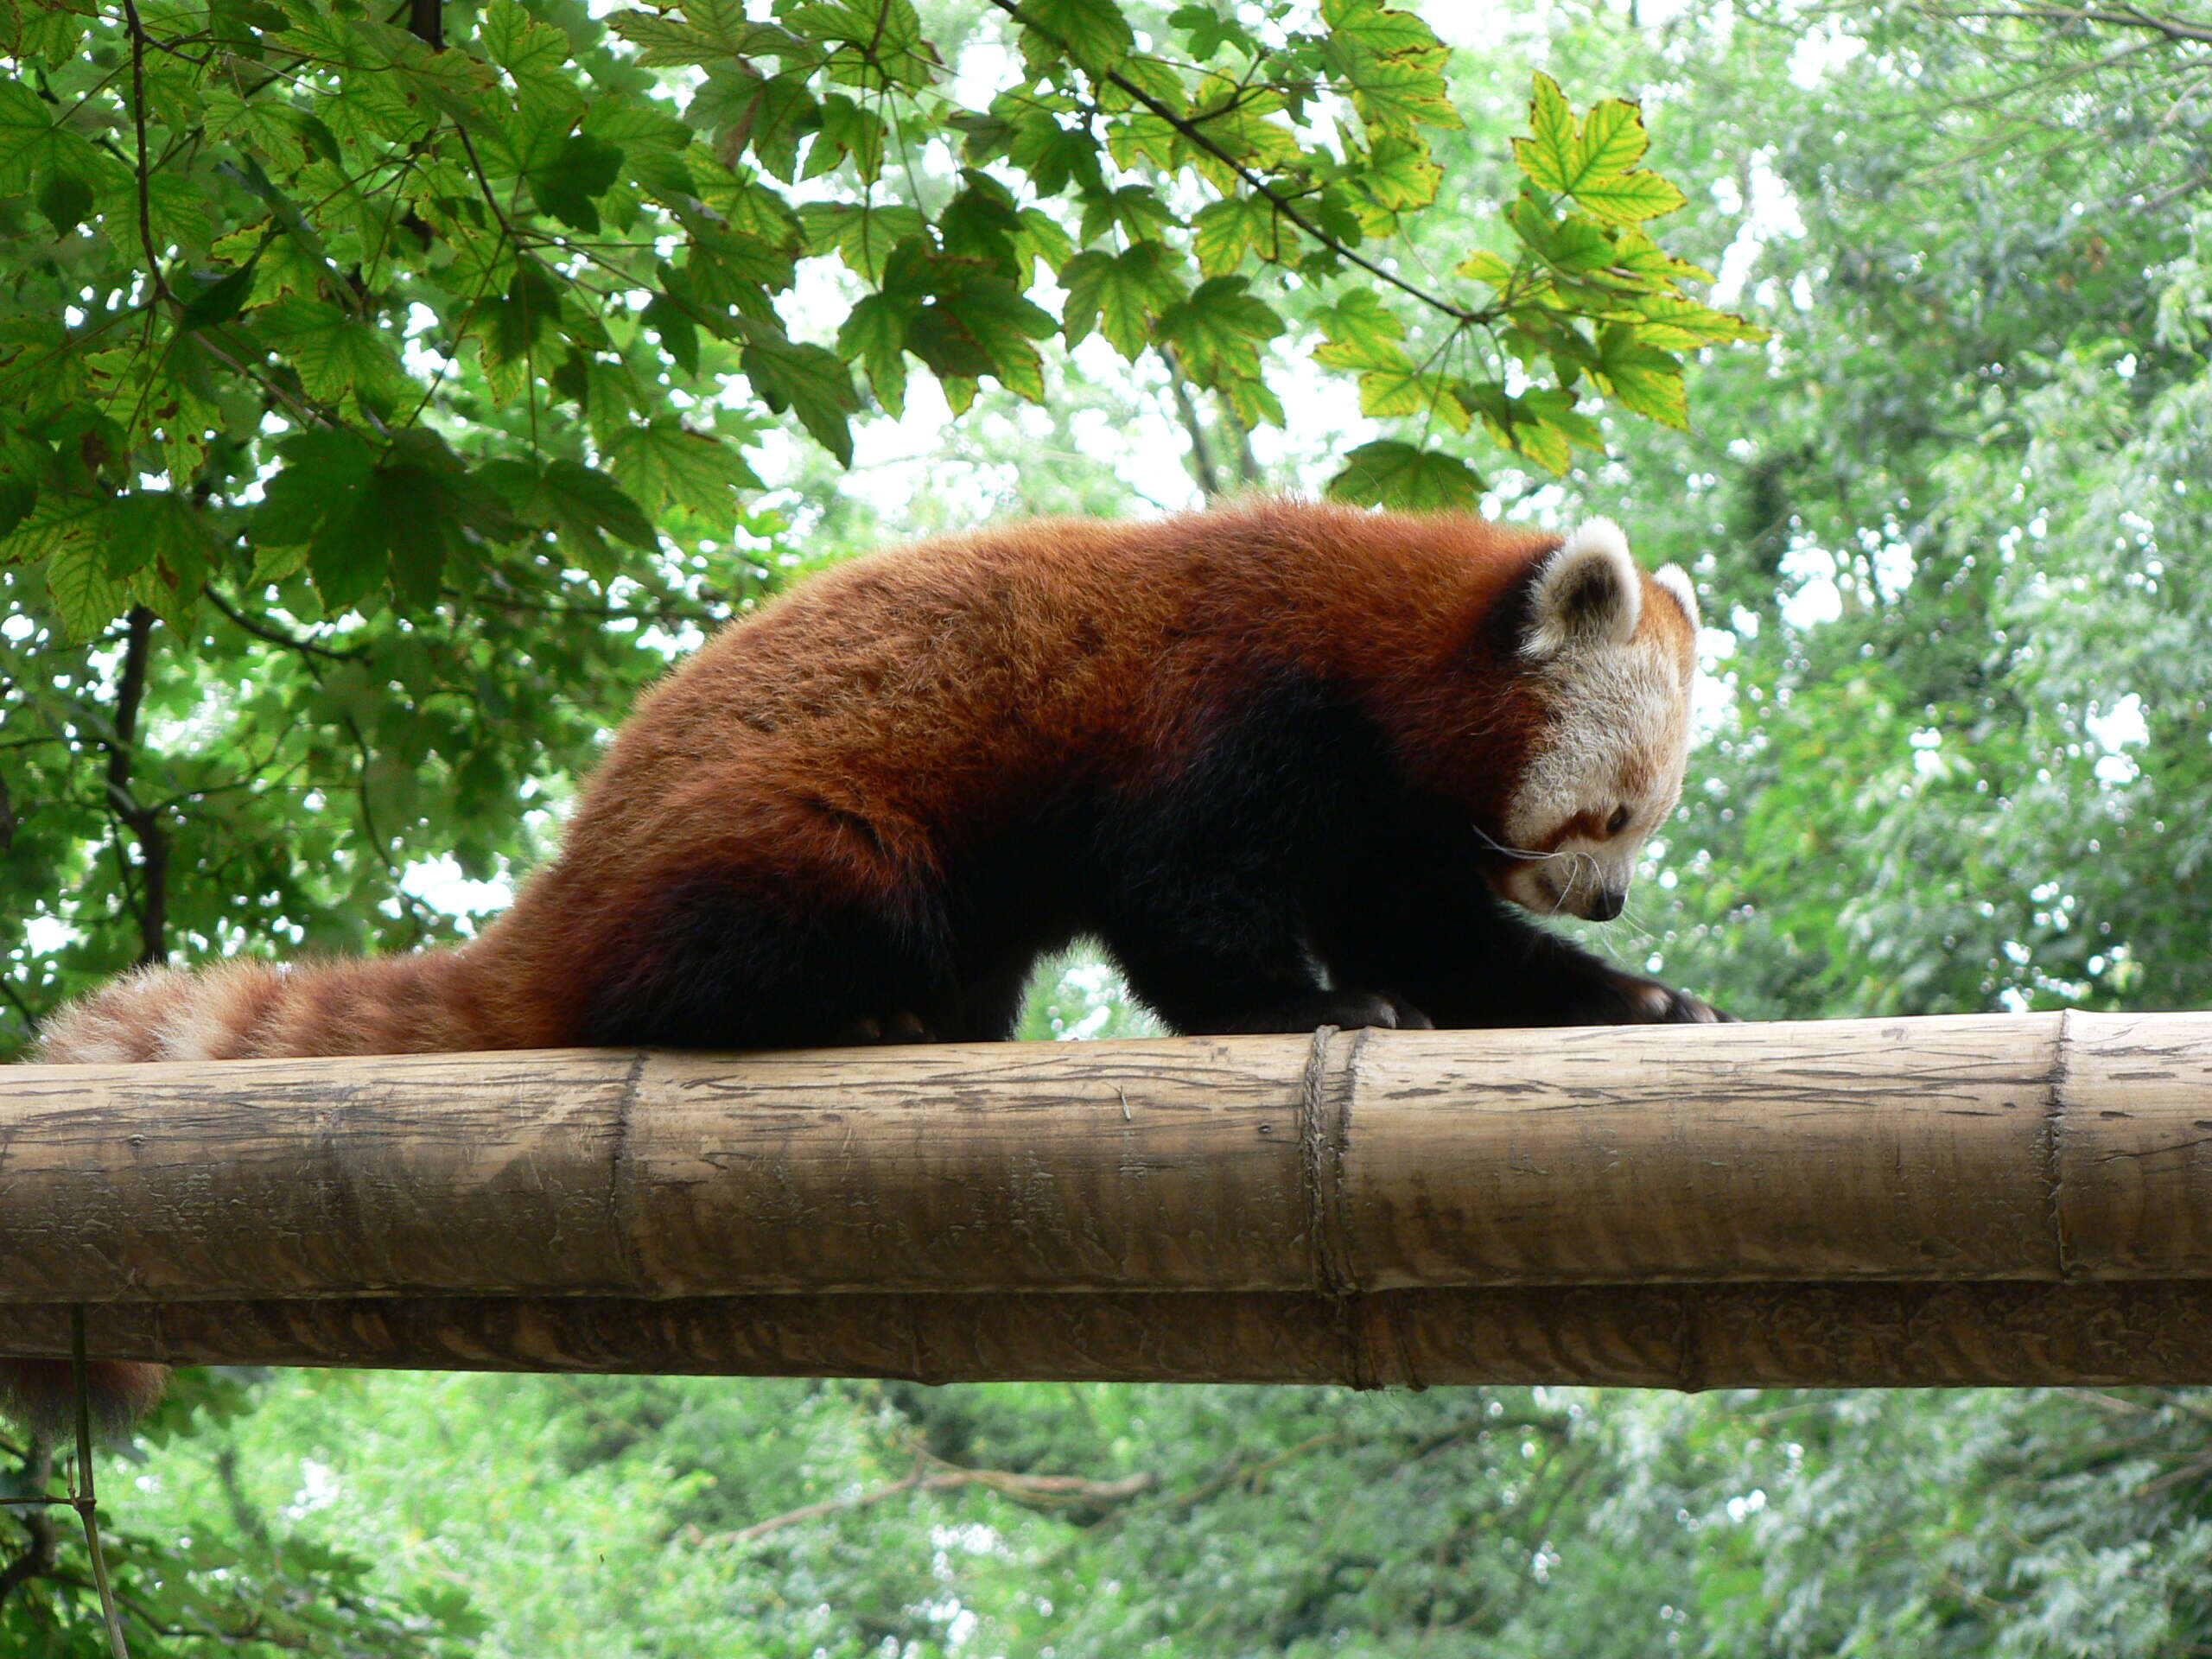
x,y
1676,581
1587,592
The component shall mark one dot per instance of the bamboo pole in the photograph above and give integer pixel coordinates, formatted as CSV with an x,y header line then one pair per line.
x,y
1976,1198
1685,1336
2040,1147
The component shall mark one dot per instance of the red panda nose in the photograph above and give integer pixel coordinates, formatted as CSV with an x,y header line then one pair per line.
x,y
1606,906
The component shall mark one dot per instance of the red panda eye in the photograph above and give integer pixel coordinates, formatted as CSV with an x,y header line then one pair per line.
x,y
1618,822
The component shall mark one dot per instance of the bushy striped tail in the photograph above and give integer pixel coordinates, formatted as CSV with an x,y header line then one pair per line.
x,y
42,1394
245,1010
231,1011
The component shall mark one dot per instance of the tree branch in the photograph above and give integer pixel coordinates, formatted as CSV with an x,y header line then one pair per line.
x,y
426,23
16,997
144,823
1248,464
2118,16
1037,1491
1187,408
275,636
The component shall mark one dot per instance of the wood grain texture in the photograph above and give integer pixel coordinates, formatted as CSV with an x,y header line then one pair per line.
x,y
1682,1335
2062,1149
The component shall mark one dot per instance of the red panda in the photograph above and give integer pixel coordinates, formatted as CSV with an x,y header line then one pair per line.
x,y
1293,765
1285,761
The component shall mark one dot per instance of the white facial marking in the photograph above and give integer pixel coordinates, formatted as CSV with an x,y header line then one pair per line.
x,y
1620,736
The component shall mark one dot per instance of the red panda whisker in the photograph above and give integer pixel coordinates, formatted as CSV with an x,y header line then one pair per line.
x,y
1510,852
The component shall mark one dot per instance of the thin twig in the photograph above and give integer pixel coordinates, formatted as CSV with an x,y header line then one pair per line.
x,y
80,1488
275,636
138,119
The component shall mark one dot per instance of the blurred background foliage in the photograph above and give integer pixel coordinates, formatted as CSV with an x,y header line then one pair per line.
x,y
1946,521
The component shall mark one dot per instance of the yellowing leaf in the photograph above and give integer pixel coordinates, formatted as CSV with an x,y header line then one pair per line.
x,y
1613,139
1484,266
1691,324
1399,174
1552,153
1222,232
1641,378
1396,96
1629,198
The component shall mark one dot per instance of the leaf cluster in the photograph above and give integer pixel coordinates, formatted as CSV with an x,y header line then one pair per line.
x,y
297,290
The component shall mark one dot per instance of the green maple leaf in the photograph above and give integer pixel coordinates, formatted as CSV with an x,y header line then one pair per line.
x,y
1389,474
1221,327
1120,294
1360,332
874,335
586,500
809,381
1094,34
337,356
666,464
1642,378
566,181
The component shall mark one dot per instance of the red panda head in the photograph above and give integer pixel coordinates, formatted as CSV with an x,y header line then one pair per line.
x,y
1608,652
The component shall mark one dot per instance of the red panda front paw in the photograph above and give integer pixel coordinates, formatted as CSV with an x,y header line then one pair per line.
x,y
1347,1010
899,1027
1353,1009
1651,1003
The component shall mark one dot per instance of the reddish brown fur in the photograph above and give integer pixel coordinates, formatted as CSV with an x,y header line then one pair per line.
x,y
857,728
930,689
